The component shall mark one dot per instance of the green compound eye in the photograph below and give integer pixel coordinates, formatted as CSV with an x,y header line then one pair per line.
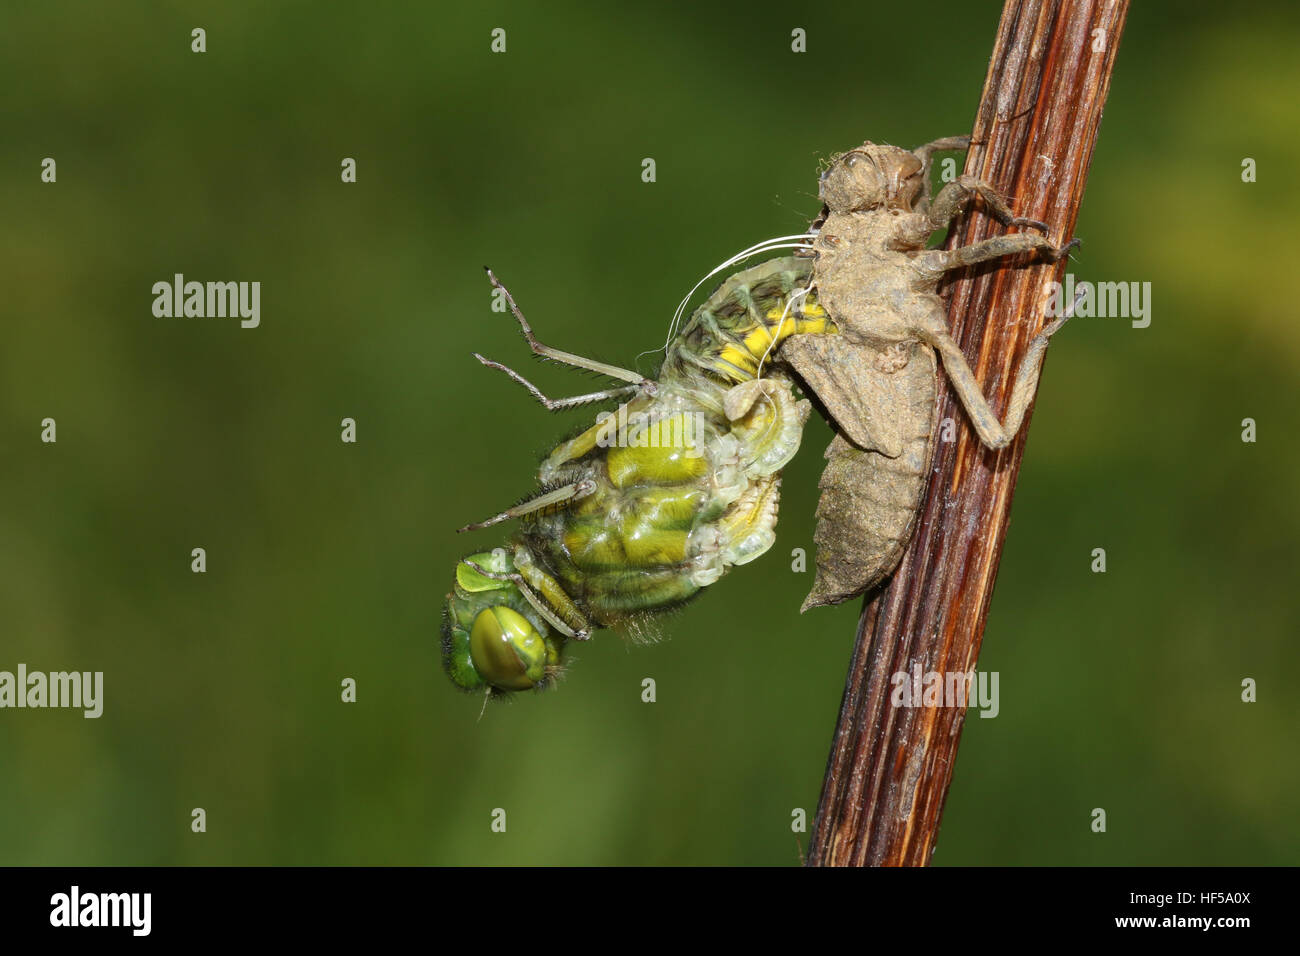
x,y
506,649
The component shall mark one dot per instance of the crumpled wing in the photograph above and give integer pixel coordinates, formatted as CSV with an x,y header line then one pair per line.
x,y
869,498
865,403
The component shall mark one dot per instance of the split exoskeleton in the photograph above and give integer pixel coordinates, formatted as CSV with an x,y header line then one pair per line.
x,y
660,498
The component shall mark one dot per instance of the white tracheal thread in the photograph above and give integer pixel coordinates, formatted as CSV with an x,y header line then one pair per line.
x,y
776,336
767,245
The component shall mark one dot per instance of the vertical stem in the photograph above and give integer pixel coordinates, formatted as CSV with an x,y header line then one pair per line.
x,y
890,768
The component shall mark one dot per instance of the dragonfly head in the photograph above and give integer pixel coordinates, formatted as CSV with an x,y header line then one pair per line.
x,y
870,177
491,636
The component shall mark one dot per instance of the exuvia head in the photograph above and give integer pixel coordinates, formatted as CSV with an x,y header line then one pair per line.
x,y
491,636
872,177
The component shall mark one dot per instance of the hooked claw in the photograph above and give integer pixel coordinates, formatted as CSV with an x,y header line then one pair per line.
x,y
1063,251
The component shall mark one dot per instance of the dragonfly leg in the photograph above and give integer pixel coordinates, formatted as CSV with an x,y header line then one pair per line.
x,y
956,197
569,492
926,154
567,358
560,609
992,433
555,404
531,596
936,262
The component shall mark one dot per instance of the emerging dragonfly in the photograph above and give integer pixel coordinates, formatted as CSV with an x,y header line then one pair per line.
x,y
652,503
656,501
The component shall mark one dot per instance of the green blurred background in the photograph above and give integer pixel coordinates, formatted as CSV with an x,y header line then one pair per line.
x,y
328,560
